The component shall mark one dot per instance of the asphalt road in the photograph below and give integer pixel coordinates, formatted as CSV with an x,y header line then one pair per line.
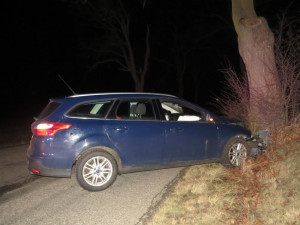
x,y
13,167
62,201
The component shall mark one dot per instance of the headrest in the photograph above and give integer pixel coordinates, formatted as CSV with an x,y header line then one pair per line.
x,y
133,109
141,109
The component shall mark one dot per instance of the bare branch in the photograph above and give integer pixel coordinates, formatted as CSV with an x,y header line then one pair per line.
x,y
147,55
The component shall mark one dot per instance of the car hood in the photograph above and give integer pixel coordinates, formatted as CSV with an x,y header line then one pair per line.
x,y
233,122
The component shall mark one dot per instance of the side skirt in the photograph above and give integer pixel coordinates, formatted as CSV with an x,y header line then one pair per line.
x,y
139,168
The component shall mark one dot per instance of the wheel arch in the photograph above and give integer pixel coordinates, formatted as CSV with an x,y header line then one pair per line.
x,y
224,158
243,136
108,150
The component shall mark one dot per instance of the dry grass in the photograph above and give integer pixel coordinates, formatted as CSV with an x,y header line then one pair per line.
x,y
262,191
281,189
281,194
210,194
202,196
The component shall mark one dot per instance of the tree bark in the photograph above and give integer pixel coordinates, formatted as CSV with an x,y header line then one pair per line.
x,y
256,47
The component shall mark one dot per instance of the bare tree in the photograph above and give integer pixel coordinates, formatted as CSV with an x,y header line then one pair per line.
x,y
115,20
287,51
180,53
256,47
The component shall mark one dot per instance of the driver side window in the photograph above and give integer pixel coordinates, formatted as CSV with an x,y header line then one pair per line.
x,y
177,112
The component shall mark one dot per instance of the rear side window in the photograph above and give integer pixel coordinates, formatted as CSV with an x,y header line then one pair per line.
x,y
50,108
91,110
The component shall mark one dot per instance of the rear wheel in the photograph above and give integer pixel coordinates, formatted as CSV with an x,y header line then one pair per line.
x,y
234,153
96,170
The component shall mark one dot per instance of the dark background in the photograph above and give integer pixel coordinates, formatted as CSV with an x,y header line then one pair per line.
x,y
43,38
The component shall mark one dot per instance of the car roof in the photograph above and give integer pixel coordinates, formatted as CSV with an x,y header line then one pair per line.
x,y
98,96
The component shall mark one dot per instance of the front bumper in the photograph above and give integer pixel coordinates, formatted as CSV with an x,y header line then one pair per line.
x,y
257,144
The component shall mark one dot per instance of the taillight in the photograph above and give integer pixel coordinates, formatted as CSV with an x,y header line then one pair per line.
x,y
49,129
35,171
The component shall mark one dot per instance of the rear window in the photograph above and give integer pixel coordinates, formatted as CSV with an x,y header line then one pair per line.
x,y
50,108
91,110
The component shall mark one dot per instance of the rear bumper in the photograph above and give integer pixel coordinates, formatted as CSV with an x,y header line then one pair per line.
x,y
36,165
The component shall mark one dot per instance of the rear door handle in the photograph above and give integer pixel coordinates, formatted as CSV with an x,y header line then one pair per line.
x,y
121,129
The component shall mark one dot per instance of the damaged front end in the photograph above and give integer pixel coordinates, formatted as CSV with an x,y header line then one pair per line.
x,y
257,144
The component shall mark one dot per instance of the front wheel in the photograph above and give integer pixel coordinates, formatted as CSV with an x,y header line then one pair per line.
x,y
96,171
234,153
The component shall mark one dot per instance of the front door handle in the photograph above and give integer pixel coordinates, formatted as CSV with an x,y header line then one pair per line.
x,y
174,129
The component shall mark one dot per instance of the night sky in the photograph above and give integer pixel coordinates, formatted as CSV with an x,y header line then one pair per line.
x,y
43,38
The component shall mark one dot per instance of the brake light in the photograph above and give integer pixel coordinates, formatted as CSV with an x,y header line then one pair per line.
x,y
49,129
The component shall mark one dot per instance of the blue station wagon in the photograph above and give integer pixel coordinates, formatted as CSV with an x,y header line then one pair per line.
x,y
103,135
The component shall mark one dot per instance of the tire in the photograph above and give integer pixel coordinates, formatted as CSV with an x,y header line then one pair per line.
x,y
96,170
234,152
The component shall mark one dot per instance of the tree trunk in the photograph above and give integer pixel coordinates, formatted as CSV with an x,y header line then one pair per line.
x,y
139,87
256,47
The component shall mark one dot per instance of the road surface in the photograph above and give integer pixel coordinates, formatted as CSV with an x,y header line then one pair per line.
x,y
62,201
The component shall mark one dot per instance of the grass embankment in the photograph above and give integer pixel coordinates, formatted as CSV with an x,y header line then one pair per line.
x,y
262,191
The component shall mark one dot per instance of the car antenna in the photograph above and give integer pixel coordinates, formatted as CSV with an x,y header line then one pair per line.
x,y
67,85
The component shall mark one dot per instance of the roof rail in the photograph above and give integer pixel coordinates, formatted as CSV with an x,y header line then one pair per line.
x,y
119,93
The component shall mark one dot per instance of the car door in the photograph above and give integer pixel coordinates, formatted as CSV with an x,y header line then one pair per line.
x,y
135,132
189,135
